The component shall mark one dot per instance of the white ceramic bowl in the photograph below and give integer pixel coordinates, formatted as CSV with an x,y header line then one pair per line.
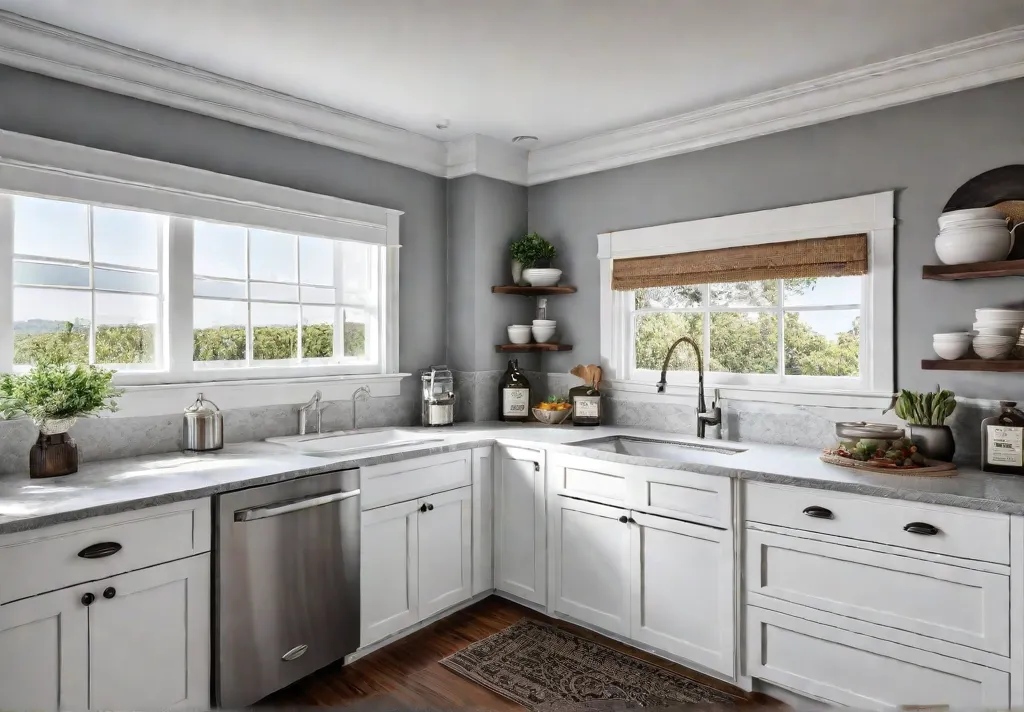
x,y
956,336
542,277
993,352
951,350
989,330
519,334
954,217
966,243
543,334
544,322
551,417
998,314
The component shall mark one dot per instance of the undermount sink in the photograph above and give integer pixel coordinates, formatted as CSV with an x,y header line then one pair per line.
x,y
649,447
351,441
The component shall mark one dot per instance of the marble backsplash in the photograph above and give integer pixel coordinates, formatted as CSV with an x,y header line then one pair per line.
x,y
108,438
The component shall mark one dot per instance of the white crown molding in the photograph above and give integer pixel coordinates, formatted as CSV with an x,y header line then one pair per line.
x,y
55,52
968,64
63,54
487,156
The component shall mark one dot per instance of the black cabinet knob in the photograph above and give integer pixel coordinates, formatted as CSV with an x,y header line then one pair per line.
x,y
819,512
109,592
423,507
632,521
922,528
623,519
87,599
430,508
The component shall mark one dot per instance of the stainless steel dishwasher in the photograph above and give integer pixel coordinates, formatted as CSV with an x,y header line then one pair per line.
x,y
286,583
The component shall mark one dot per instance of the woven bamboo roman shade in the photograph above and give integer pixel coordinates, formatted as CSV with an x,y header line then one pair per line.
x,y
821,257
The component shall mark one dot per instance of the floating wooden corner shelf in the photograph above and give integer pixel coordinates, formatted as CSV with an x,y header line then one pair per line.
x,y
532,291
509,348
975,364
978,270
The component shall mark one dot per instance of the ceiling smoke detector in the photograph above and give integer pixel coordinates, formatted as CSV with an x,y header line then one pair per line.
x,y
525,140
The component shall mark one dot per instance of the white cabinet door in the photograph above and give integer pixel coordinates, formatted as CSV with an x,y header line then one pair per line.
x,y
445,525
389,571
589,563
682,590
44,652
149,638
520,546
483,519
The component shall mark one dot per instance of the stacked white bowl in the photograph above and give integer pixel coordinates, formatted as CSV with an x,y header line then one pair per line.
x,y
951,346
543,330
538,277
998,331
973,235
519,333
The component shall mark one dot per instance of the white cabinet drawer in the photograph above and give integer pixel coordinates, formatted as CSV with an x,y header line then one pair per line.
x,y
47,559
584,478
411,479
863,672
704,499
950,603
983,536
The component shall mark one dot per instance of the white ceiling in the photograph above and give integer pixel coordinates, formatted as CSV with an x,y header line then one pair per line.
x,y
559,69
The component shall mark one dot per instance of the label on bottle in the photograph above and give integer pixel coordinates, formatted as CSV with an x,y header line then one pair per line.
x,y
1005,446
515,402
587,406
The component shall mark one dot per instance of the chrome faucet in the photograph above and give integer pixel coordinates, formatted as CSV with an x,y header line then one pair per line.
x,y
361,392
704,416
311,407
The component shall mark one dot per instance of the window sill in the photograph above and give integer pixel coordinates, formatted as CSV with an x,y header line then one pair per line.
x,y
172,398
676,394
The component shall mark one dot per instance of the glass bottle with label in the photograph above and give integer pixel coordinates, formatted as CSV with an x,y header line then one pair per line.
x,y
1002,441
514,394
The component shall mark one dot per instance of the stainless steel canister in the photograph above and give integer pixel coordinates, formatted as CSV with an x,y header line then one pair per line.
x,y
202,428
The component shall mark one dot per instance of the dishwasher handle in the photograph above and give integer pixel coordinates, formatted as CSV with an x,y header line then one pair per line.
x,y
293,505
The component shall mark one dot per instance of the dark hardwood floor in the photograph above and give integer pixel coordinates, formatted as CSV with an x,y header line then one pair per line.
x,y
407,674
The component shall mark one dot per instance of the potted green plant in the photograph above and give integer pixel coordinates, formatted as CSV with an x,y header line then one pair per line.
x,y
926,415
528,251
54,395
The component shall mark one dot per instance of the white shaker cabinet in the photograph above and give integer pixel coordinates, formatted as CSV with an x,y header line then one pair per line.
x,y
682,590
520,546
590,563
445,523
389,578
140,640
416,561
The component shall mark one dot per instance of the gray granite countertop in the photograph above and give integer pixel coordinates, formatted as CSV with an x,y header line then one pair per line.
x,y
118,485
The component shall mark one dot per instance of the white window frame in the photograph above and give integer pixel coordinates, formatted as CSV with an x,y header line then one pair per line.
x,y
44,168
868,214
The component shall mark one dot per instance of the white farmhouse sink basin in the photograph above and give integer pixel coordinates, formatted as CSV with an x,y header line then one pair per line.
x,y
649,447
351,441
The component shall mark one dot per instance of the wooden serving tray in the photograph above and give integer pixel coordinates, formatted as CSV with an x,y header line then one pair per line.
x,y
932,468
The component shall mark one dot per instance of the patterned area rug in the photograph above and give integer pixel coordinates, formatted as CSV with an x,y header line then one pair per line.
x,y
547,669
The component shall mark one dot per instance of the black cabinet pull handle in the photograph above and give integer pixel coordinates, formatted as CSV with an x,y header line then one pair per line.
x,y
819,512
623,519
87,599
109,592
423,508
921,528
632,521
101,550
430,507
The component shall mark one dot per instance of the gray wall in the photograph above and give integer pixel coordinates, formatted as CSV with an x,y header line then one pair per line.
x,y
924,151
33,104
484,216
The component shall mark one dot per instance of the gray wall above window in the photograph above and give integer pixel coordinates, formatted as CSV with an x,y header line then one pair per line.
x,y
924,151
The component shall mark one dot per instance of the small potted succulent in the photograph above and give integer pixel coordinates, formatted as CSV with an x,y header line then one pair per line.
x,y
528,251
926,415
54,395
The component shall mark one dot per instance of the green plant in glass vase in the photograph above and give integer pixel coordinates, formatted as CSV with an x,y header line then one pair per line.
x,y
54,394
528,251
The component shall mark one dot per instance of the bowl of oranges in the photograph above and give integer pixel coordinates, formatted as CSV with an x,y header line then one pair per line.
x,y
553,411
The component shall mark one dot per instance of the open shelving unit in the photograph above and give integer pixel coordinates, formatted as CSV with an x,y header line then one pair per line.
x,y
975,364
532,292
978,270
